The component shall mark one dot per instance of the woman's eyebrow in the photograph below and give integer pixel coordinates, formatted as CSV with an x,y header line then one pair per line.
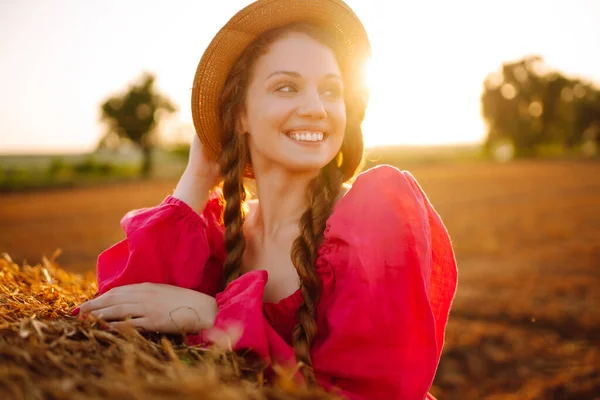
x,y
297,75
336,76
291,73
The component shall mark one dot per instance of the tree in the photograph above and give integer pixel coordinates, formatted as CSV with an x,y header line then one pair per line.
x,y
134,115
531,106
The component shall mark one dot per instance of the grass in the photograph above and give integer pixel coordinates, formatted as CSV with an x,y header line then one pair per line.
x,y
21,173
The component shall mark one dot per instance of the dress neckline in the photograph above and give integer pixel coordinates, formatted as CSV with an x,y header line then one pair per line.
x,y
295,299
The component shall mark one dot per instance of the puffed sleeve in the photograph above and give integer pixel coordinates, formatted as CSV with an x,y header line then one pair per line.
x,y
384,313
170,244
241,324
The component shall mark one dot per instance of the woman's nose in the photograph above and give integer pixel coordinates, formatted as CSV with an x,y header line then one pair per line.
x,y
312,106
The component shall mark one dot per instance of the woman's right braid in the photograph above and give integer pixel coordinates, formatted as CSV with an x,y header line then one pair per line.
x,y
233,162
322,193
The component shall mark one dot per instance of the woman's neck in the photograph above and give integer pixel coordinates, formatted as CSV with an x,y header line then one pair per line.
x,y
282,199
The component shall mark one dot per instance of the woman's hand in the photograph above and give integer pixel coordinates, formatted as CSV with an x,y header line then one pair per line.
x,y
201,165
201,175
154,307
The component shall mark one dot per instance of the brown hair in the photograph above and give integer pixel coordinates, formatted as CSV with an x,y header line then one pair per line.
x,y
322,191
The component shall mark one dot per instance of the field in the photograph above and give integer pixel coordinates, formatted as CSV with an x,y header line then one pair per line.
x,y
525,323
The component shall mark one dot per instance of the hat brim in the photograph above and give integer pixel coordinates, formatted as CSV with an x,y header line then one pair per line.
x,y
241,30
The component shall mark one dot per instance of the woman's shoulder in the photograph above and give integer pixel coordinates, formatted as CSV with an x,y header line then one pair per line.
x,y
384,176
384,207
378,194
383,220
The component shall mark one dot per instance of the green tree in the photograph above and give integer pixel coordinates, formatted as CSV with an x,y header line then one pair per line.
x,y
531,106
134,115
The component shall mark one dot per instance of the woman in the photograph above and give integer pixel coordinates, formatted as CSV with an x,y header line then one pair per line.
x,y
353,282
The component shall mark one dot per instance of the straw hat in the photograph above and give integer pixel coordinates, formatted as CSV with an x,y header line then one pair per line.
x,y
243,28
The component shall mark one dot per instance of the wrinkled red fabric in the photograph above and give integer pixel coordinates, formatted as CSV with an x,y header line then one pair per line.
x,y
388,271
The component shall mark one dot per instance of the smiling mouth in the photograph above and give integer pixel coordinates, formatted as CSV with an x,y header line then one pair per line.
x,y
307,136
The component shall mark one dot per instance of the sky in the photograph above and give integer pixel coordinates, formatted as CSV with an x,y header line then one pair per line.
x,y
60,59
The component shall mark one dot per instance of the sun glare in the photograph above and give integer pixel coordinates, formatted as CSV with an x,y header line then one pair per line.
x,y
404,109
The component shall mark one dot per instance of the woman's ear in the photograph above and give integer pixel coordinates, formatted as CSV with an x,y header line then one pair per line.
x,y
242,123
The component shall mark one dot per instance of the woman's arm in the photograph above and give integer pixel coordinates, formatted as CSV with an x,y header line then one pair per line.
x,y
166,271
154,308
394,276
169,244
178,242
201,175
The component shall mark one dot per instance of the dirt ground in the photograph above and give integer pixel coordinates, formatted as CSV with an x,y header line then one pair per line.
x,y
525,323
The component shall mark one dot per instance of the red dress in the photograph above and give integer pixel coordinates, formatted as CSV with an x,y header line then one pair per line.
x,y
388,272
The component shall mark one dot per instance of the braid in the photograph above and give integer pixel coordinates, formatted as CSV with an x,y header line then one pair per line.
x,y
322,193
234,193
233,162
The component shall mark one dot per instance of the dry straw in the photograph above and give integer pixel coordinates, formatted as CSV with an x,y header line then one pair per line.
x,y
47,354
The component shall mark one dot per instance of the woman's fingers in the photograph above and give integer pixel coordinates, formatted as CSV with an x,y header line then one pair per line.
x,y
119,312
106,300
153,307
118,295
142,324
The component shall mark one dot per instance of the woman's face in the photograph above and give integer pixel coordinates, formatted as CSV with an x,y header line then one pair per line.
x,y
295,113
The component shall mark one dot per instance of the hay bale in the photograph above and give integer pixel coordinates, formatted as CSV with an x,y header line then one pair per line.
x,y
45,353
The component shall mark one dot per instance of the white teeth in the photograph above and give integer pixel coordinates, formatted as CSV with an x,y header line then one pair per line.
x,y
306,136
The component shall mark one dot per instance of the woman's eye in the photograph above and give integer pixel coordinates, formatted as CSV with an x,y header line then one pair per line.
x,y
285,88
333,92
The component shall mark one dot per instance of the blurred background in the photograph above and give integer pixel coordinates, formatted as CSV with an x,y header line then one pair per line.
x,y
494,106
